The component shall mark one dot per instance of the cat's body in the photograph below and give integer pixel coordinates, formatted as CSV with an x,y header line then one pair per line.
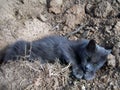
x,y
85,56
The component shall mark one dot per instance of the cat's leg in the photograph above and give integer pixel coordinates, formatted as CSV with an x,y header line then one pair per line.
x,y
89,75
76,69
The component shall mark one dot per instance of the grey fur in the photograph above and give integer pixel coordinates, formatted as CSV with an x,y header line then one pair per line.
x,y
85,61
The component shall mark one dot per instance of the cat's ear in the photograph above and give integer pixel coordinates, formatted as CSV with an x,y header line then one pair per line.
x,y
91,47
106,53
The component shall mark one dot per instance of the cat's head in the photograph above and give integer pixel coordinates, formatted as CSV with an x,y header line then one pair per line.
x,y
94,56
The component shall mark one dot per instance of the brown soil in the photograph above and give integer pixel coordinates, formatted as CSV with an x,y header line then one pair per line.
x,y
33,19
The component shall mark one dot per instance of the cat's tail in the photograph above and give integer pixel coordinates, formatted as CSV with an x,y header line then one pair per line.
x,y
16,51
2,54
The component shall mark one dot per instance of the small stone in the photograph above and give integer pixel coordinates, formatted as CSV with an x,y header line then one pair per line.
x,y
103,9
43,18
42,1
74,16
104,78
117,27
118,1
55,6
115,88
111,60
83,87
116,52
89,8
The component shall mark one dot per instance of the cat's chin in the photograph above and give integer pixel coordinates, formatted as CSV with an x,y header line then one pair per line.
x,y
89,76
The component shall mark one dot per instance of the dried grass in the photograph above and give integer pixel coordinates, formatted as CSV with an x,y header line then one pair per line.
x,y
33,76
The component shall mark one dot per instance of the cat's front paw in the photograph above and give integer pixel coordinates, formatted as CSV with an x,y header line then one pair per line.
x,y
78,73
89,75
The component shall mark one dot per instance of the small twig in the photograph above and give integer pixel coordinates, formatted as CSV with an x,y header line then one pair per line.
x,y
76,30
55,27
64,69
14,36
29,87
57,73
37,70
30,50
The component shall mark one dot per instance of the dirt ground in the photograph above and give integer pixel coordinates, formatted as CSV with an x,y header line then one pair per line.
x,y
75,19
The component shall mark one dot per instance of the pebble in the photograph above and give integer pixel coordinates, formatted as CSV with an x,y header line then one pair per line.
x,y
74,16
117,27
103,9
83,87
118,1
43,1
111,60
55,6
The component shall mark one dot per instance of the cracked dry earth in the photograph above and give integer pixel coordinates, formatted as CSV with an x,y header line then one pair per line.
x,y
33,19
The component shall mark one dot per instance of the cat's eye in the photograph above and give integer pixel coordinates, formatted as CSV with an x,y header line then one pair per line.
x,y
95,64
88,58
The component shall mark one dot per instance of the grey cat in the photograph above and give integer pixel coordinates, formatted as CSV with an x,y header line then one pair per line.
x,y
85,56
